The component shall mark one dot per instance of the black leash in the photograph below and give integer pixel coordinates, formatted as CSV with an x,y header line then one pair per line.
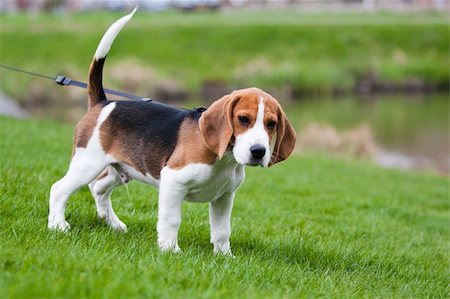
x,y
62,80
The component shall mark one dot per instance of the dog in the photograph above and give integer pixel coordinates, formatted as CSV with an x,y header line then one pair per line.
x,y
195,155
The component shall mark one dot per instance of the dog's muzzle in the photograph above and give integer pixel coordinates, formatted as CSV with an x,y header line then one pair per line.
x,y
257,152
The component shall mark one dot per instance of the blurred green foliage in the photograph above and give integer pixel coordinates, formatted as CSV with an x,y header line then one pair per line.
x,y
312,53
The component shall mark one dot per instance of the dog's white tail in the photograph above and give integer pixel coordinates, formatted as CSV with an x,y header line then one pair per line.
x,y
95,83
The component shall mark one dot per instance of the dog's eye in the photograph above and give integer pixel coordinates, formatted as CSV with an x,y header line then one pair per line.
x,y
244,120
271,125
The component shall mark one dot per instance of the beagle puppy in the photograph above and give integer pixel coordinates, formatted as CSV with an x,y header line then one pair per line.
x,y
194,155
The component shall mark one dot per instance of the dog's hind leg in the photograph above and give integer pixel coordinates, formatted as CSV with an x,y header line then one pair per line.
x,y
101,189
86,164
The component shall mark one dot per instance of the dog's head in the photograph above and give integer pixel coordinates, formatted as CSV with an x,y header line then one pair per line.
x,y
252,124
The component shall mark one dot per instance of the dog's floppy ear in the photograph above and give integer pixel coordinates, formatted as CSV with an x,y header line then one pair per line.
x,y
285,142
216,124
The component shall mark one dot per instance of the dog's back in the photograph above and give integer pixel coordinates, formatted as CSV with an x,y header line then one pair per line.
x,y
144,127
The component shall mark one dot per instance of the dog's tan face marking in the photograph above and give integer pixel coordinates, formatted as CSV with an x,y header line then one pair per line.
x,y
272,114
244,113
246,110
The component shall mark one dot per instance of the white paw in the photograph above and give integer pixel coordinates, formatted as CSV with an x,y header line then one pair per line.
x,y
222,248
101,213
226,253
55,223
116,224
169,246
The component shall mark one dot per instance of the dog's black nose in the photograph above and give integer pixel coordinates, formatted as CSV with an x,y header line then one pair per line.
x,y
258,151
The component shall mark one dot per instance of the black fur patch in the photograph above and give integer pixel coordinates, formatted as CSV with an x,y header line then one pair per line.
x,y
145,132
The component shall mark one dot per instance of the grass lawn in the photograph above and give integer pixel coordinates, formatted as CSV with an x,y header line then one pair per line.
x,y
312,226
309,52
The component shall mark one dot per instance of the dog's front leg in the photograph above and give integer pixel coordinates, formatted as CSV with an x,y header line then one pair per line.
x,y
219,217
171,195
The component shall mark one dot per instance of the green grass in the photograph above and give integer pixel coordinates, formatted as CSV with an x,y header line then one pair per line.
x,y
309,52
310,227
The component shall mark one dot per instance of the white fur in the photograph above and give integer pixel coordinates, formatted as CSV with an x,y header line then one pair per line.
x,y
256,135
86,164
108,38
134,174
101,190
215,184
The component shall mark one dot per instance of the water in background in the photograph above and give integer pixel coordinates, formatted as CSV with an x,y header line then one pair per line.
x,y
402,131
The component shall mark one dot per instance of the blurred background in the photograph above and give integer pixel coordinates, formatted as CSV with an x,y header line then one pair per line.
x,y
363,79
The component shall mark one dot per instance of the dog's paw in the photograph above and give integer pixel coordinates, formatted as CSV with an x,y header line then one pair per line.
x,y
169,246
227,253
116,224
58,224
102,213
222,248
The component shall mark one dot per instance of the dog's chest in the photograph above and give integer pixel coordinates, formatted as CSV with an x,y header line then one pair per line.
x,y
206,183
215,185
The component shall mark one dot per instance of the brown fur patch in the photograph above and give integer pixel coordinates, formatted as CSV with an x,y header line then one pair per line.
x,y
95,85
286,137
190,147
247,106
272,113
123,147
85,127
216,125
